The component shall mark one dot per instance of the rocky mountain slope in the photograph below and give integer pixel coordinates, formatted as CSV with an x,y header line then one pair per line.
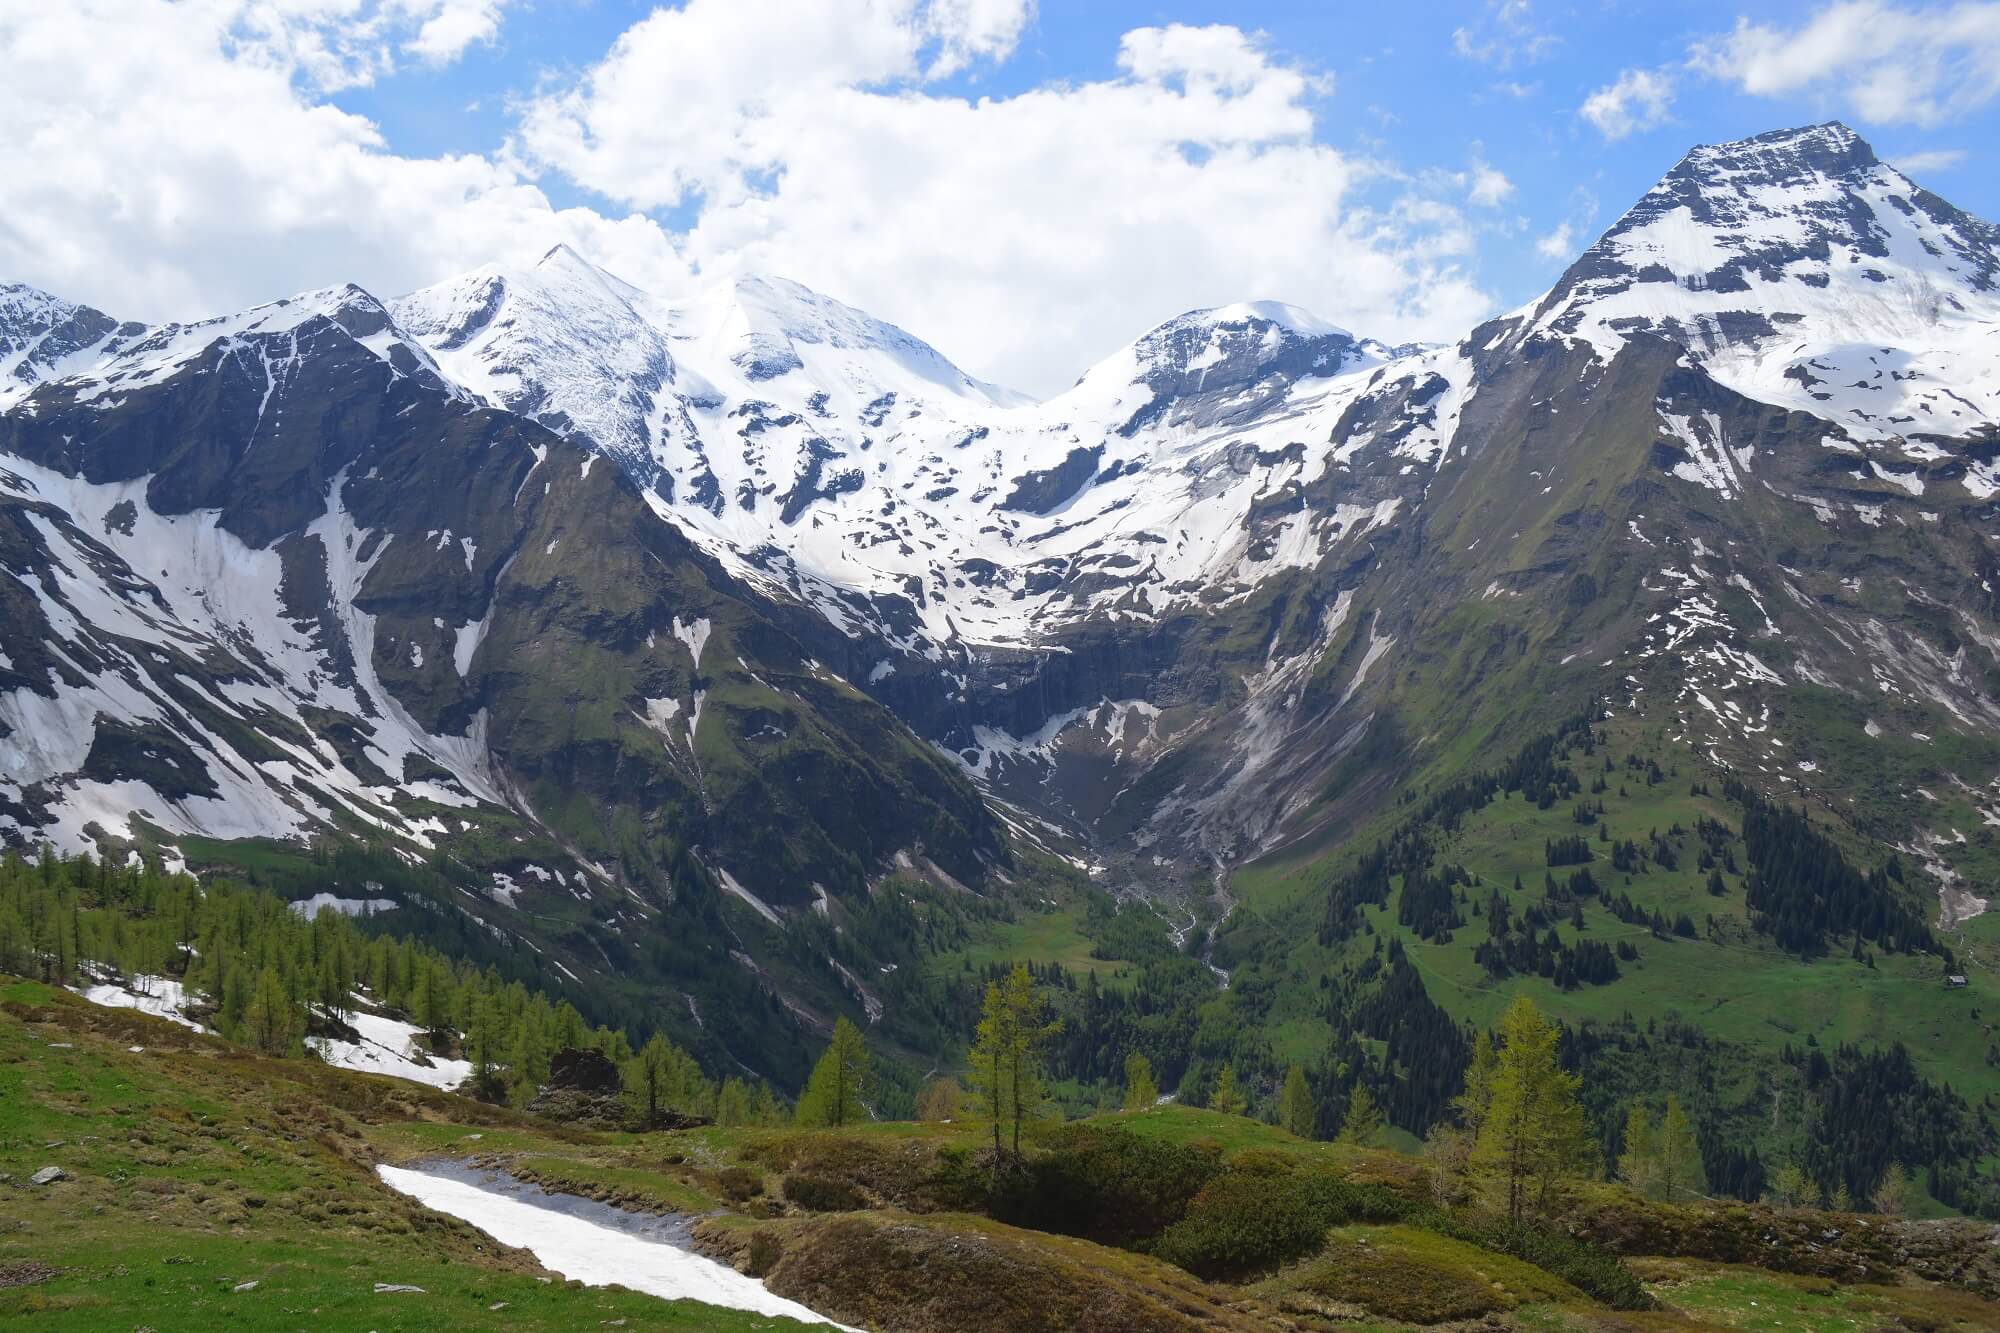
x,y
832,606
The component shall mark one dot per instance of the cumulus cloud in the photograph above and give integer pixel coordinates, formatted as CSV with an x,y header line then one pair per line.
x,y
175,160
162,162
1489,187
1558,244
1026,235
1638,100
1889,64
448,27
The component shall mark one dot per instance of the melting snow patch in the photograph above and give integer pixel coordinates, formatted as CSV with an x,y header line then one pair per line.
x,y
592,1242
311,907
388,1046
149,995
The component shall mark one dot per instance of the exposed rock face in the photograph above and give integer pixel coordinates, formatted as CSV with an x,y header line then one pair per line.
x,y
584,1088
330,566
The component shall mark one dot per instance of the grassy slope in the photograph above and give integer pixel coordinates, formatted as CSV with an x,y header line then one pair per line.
x,y
196,1168
1740,990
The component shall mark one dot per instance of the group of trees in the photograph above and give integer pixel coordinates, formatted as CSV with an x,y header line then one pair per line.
x,y
258,972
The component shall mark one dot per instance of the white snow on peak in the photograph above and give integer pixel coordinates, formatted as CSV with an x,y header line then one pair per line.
x,y
1801,271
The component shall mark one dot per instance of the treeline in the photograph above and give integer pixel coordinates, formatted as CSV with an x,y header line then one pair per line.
x,y
261,974
1802,891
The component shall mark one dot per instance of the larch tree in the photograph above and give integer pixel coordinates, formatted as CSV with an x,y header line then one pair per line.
x,y
1297,1112
1141,1092
1363,1122
1227,1097
1533,1134
1678,1154
839,1081
1638,1163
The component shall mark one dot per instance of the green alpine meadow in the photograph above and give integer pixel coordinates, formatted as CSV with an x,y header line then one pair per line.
x,y
621,791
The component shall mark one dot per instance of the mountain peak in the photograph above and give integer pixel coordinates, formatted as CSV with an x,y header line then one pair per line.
x,y
1779,157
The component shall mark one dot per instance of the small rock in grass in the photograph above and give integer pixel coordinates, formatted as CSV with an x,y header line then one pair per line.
x,y
136,1050
251,1285
48,1175
497,1305
385,1287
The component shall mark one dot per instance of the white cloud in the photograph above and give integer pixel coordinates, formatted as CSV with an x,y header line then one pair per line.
x,y
1930,159
1638,100
1890,64
176,160
1508,34
1489,188
1558,244
161,162
448,27
1025,235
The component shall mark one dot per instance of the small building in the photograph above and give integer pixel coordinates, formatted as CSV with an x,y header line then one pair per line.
x,y
1955,980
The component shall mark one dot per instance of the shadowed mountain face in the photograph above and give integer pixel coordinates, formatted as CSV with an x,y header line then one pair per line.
x,y
606,595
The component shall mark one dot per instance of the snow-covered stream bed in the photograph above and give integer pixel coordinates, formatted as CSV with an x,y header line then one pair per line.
x,y
595,1243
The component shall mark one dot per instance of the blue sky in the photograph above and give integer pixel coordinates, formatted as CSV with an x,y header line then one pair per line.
x,y
1026,186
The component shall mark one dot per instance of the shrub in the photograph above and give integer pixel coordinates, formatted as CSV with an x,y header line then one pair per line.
x,y
818,1194
1104,1183
1589,1268
1247,1221
739,1184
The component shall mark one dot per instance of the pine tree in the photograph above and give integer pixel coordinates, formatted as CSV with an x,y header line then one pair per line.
x,y
992,1045
1226,1098
1141,1092
1296,1110
1534,1133
833,1093
1362,1124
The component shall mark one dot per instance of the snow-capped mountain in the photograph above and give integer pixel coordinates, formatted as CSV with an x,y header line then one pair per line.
x,y
838,458
1800,270
1243,578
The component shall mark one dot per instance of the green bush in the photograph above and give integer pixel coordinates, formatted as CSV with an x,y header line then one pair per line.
x,y
818,1194
1589,1268
1103,1183
1248,1221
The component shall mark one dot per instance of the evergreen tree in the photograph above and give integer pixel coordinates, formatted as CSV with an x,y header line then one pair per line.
x,y
1141,1092
1534,1133
1296,1111
1362,1124
1226,1098
833,1094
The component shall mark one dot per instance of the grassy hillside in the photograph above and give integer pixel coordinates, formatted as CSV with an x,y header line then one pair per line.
x,y
207,1185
